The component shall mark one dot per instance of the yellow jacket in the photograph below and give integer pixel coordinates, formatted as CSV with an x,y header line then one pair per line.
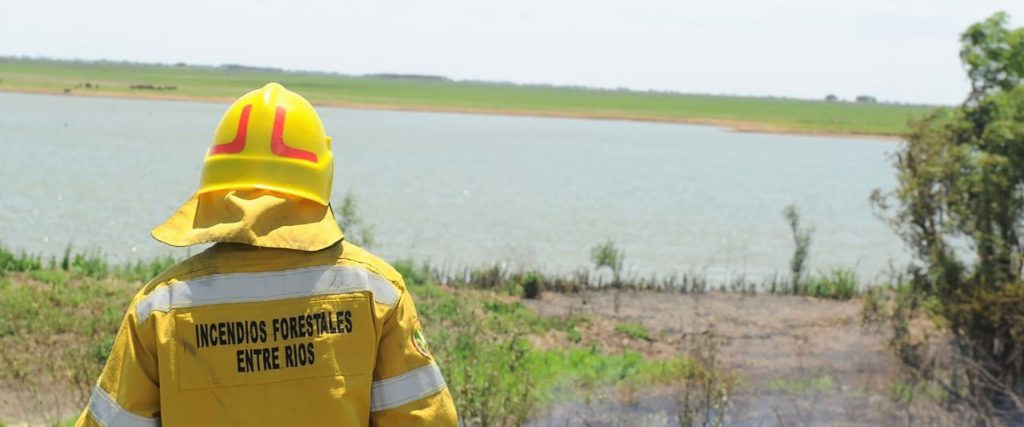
x,y
244,335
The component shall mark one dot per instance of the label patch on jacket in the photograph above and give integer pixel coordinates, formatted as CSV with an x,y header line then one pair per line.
x,y
420,341
262,342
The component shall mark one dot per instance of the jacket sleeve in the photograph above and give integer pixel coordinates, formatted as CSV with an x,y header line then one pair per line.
x,y
127,393
408,388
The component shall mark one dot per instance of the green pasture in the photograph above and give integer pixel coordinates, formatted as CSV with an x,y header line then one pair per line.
x,y
774,114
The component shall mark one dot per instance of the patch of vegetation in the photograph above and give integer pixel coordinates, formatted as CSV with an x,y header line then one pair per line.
x,y
51,323
904,392
838,283
497,377
820,383
633,330
18,261
52,277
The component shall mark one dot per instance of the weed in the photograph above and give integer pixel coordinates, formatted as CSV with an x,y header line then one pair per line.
x,y
11,261
704,398
610,256
802,246
633,330
574,335
91,264
838,283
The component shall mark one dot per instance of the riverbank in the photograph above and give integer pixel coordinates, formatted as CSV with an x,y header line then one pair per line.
x,y
590,358
582,356
220,84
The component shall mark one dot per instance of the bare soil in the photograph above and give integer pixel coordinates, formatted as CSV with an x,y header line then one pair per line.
x,y
798,360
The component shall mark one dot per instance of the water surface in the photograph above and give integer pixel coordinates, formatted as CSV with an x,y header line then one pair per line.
x,y
462,189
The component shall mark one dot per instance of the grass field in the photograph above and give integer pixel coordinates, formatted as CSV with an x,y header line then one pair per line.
x,y
219,83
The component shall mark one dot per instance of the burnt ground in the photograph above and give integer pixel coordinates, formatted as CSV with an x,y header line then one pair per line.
x,y
795,360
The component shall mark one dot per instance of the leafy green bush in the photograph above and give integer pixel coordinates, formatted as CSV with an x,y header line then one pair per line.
x,y
532,284
958,205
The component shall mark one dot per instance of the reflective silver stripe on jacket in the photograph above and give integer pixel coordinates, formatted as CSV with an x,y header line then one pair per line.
x,y
267,286
107,413
408,387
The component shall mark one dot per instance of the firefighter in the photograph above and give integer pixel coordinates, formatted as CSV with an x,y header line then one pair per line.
x,y
281,321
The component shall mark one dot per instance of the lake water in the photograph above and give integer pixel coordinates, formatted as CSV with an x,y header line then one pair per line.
x,y
462,189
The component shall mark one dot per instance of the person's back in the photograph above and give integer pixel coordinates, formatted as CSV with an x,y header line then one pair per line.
x,y
281,321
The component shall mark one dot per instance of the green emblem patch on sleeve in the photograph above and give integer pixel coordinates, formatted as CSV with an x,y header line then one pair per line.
x,y
420,341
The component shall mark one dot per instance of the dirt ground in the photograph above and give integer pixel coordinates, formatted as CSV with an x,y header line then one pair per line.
x,y
797,360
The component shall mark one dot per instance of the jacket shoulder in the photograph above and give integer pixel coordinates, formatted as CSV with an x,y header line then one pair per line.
x,y
352,254
229,259
194,266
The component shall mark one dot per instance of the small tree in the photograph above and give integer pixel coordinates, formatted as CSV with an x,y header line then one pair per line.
x,y
608,255
352,224
802,249
959,206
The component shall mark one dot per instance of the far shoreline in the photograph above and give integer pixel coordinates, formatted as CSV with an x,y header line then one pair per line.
x,y
729,125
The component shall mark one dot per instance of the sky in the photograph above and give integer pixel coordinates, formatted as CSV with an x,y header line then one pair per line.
x,y
896,50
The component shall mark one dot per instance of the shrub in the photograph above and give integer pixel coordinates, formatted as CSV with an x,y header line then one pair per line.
x,y
532,284
958,205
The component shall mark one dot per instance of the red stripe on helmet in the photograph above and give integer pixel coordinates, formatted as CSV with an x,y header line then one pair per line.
x,y
277,144
236,145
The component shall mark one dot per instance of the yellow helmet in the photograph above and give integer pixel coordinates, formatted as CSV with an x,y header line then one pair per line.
x,y
271,139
